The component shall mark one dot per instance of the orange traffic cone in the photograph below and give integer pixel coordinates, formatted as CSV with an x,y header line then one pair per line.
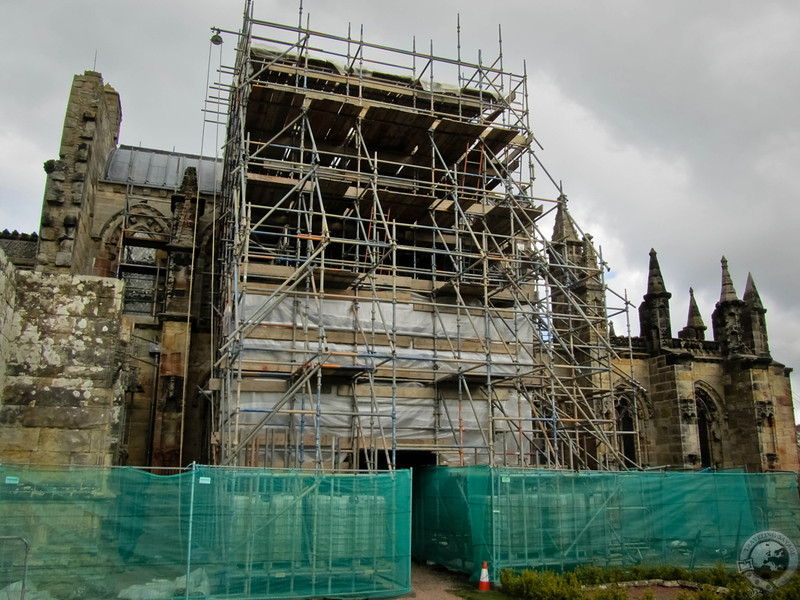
x,y
483,586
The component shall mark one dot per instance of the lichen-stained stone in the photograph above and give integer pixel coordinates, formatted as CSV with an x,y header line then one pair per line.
x,y
9,327
73,395
10,416
27,370
63,369
66,418
90,354
99,375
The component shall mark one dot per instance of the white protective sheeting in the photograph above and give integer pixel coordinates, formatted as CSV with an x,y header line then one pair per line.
x,y
385,320
382,316
451,419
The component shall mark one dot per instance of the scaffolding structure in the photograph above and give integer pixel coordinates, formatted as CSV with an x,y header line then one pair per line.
x,y
388,293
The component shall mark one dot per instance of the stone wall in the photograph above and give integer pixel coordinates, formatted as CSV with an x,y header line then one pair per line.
x,y
780,389
8,303
750,420
19,248
64,369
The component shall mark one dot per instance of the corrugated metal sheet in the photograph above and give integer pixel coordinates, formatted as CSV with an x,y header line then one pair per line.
x,y
161,169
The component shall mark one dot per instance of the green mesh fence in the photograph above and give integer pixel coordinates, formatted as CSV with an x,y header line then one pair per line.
x,y
557,520
108,533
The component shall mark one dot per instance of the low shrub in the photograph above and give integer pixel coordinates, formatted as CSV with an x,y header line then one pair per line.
x,y
790,591
594,575
707,594
611,594
591,574
542,585
546,585
718,576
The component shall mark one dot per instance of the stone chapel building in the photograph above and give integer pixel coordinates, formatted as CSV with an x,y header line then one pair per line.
x,y
708,403
104,352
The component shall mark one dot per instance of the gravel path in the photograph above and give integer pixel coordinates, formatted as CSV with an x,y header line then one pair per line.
x,y
431,582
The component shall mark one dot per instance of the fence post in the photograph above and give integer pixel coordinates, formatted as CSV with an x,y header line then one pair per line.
x,y
24,564
189,542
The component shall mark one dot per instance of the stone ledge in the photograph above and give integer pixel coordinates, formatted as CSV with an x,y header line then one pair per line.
x,y
644,583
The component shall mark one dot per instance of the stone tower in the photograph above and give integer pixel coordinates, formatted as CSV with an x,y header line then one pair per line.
x,y
91,130
654,318
579,319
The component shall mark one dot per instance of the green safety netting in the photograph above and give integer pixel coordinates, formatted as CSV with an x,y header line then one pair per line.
x,y
208,532
558,520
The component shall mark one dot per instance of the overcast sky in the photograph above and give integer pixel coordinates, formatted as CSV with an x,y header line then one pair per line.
x,y
672,124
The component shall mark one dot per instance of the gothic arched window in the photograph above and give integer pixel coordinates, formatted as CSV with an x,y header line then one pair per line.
x,y
708,423
627,429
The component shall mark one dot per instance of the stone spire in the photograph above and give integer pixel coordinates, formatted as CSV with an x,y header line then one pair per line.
x,y
564,229
655,281
695,328
751,297
727,316
754,324
728,293
567,248
581,292
654,318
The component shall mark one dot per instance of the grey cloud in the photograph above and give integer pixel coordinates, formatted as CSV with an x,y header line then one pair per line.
x,y
695,104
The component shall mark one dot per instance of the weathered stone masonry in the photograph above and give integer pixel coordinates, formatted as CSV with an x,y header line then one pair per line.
x,y
8,301
62,368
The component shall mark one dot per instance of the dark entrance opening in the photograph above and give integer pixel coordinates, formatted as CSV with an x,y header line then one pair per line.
x,y
406,459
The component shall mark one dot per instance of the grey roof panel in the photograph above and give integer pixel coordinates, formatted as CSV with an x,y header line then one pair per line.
x,y
161,169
